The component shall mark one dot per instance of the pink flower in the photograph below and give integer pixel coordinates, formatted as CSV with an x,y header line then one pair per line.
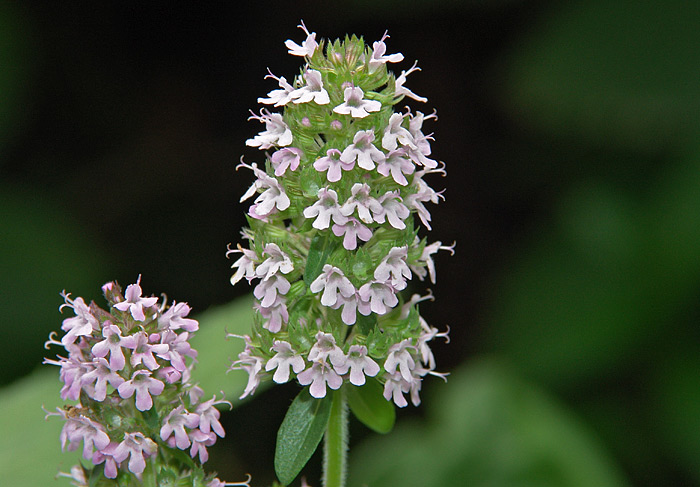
x,y
318,375
333,164
393,210
112,344
134,302
278,97
277,261
352,230
174,318
137,447
268,290
313,90
399,357
273,197
142,350
81,324
102,375
209,416
401,90
200,442
395,134
143,385
362,202
325,349
245,264
286,158
175,423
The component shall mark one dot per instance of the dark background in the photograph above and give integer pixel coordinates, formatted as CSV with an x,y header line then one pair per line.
x,y
569,131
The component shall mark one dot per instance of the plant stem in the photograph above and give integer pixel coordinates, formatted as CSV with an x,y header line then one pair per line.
x,y
335,442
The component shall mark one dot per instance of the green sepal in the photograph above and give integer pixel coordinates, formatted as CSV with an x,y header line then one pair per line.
x,y
321,247
369,406
299,434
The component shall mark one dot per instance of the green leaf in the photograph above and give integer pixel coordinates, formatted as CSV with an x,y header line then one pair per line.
x,y
369,406
321,248
299,434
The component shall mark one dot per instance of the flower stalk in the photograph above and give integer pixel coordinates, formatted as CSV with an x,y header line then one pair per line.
x,y
335,446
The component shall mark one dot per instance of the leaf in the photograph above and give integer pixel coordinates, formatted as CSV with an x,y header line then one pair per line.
x,y
299,434
369,406
321,247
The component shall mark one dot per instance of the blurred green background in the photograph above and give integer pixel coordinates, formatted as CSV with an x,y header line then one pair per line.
x,y
570,131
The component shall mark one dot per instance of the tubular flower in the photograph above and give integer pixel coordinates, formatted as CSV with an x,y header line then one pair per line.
x,y
128,370
334,236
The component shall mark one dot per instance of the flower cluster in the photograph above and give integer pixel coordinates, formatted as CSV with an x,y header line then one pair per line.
x,y
129,370
333,235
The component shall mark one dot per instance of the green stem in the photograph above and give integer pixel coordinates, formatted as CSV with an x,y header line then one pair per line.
x,y
335,442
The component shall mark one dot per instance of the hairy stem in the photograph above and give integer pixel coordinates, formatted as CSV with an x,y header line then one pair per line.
x,y
335,446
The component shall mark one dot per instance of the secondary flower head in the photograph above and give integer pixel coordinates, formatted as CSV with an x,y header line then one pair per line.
x,y
128,370
340,193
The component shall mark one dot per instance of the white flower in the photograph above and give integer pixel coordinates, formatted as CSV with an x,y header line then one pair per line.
x,y
307,47
397,165
359,365
333,281
362,201
393,268
245,264
395,133
281,96
272,197
363,150
313,90
401,90
354,104
277,261
318,375
379,56
324,209
276,132
393,210
333,164
380,295
285,358
352,229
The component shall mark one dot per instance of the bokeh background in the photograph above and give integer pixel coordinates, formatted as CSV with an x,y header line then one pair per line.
x,y
570,131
